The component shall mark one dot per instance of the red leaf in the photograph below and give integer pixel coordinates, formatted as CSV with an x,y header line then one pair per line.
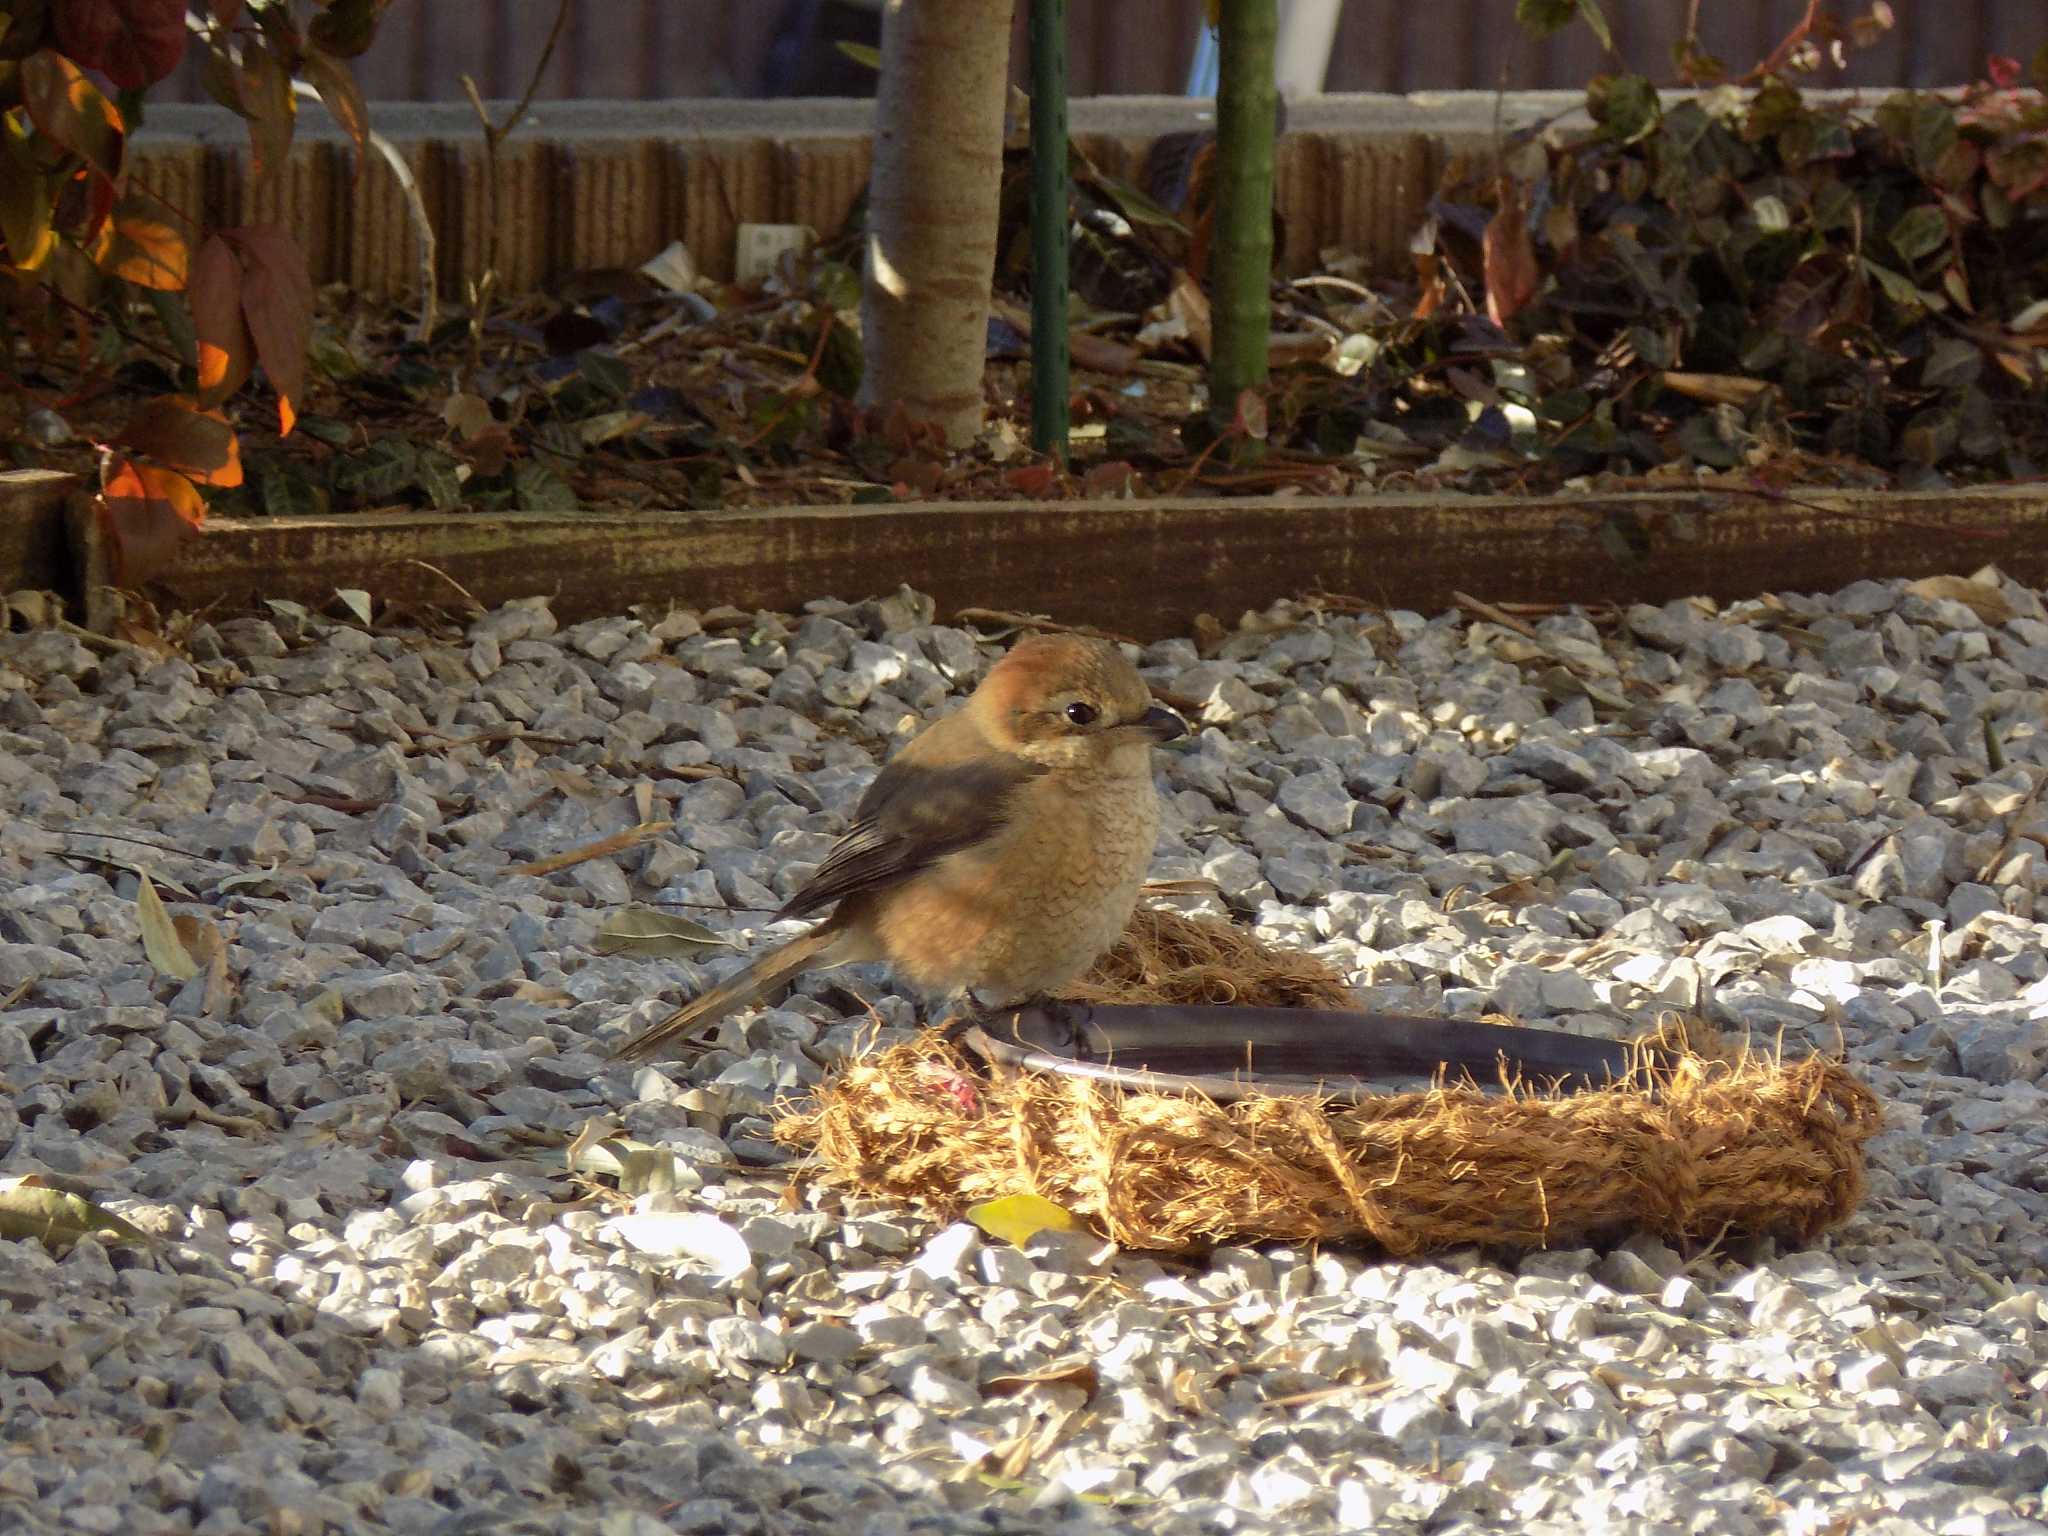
x,y
70,110
85,200
277,301
1430,282
1114,477
1033,480
215,296
196,443
133,43
147,513
1510,257
264,87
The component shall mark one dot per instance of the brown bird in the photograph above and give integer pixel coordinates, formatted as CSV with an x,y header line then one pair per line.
x,y
999,853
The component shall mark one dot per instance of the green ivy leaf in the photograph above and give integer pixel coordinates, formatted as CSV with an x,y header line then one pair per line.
x,y
1951,363
1540,18
438,478
836,286
1811,138
1929,437
1919,233
707,488
536,488
1773,109
1135,205
331,430
1902,290
381,472
839,370
604,371
1625,106
1920,123
284,488
559,443
1699,439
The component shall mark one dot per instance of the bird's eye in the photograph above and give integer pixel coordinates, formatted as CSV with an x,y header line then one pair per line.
x,y
1079,713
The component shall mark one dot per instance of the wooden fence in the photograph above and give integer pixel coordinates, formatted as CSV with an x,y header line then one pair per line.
x,y
669,48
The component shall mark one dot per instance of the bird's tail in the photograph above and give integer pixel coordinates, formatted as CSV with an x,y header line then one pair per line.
x,y
780,965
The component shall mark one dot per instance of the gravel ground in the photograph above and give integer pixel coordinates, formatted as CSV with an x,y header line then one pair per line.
x,y
373,1300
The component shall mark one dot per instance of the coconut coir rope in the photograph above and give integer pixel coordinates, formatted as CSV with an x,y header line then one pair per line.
x,y
1725,1142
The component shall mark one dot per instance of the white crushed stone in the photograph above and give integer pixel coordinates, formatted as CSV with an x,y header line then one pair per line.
x,y
373,1303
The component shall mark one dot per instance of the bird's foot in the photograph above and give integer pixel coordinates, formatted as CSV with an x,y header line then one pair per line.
x,y
959,1014
1065,1019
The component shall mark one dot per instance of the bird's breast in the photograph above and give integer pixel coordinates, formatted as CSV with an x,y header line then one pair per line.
x,y
1030,909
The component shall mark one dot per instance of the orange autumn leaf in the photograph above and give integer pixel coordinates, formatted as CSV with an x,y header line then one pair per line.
x,y
215,296
142,249
129,480
199,444
147,512
1509,256
277,303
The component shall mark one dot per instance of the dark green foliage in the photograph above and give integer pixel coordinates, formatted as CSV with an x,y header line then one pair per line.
x,y
1882,272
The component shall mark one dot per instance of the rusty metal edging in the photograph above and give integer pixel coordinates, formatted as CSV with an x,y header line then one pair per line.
x,y
1141,568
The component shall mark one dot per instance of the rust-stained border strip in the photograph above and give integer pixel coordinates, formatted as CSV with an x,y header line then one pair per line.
x,y
1143,568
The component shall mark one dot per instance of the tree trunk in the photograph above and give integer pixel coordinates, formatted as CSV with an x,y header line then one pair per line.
x,y
932,207
1241,269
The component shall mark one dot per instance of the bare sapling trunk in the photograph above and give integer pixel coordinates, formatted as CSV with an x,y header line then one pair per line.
x,y
932,208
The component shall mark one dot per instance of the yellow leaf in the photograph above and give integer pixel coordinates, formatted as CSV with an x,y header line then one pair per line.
x,y
1982,598
25,197
57,1218
142,250
71,111
160,941
1018,1218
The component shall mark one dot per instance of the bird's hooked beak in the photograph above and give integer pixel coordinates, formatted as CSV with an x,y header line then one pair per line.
x,y
1162,724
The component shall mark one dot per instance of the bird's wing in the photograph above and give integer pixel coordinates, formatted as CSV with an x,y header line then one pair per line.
x,y
914,814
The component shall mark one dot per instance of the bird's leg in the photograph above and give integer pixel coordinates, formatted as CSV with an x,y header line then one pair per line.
x,y
959,1013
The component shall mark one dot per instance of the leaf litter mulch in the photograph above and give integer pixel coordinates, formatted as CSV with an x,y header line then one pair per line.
x,y
1736,288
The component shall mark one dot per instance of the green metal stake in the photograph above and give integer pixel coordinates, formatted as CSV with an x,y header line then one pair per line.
x,y
1049,218
1241,260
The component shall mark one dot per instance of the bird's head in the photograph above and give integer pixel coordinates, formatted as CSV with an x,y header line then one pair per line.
x,y
1071,703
